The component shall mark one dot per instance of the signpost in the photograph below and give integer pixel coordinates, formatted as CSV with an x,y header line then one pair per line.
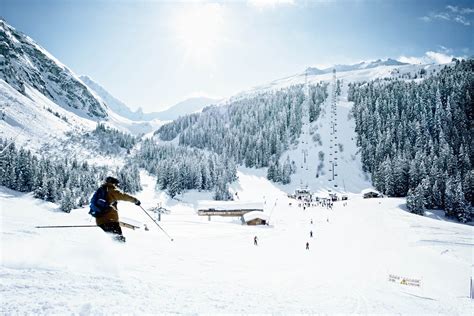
x,y
404,280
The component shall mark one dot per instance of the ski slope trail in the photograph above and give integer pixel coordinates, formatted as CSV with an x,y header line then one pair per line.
x,y
330,142
214,267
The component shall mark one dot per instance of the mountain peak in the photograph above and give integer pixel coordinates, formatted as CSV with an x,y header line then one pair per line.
x,y
23,62
360,65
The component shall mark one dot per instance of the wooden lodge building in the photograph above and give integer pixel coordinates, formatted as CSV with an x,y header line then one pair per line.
x,y
231,209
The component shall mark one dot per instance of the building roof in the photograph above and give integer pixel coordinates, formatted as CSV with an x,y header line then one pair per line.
x,y
369,190
229,205
254,215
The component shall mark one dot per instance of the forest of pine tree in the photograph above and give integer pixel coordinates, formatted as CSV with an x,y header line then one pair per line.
x,y
253,131
416,138
178,169
66,181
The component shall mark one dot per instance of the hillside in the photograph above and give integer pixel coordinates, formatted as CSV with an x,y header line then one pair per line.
x,y
24,63
278,124
354,251
45,107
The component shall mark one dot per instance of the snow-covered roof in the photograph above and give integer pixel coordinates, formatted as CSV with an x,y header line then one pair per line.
x,y
368,190
255,214
229,205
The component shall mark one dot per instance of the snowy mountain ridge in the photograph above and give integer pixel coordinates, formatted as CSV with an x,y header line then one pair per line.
x,y
363,71
23,62
187,106
358,66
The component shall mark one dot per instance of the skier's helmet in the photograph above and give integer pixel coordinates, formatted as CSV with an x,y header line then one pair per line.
x,y
112,180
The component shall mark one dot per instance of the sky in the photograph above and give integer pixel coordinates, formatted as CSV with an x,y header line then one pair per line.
x,y
154,54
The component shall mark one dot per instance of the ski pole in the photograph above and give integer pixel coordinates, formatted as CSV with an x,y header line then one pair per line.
x,y
156,223
66,226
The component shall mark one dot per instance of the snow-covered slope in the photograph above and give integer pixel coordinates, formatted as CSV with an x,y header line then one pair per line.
x,y
24,63
34,121
352,73
334,128
42,101
333,136
213,266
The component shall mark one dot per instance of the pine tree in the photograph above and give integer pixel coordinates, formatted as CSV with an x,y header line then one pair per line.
x,y
415,201
67,201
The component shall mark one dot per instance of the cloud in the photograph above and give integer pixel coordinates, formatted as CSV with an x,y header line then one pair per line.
x,y
452,8
439,58
426,18
451,13
263,4
462,20
430,57
467,11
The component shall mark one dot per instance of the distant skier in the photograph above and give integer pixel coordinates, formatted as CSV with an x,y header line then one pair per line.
x,y
255,241
307,245
311,221
311,234
109,220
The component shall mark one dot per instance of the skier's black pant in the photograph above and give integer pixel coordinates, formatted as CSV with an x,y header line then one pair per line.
x,y
113,228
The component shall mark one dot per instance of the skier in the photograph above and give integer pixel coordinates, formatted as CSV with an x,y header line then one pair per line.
x,y
311,234
311,221
109,221
307,245
255,241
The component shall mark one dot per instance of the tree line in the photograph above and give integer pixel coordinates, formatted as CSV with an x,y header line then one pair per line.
x,y
252,131
178,169
66,181
416,138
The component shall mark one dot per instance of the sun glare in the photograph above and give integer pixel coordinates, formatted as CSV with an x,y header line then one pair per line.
x,y
198,31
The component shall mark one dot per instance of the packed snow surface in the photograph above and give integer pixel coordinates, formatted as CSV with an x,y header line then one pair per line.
x,y
214,266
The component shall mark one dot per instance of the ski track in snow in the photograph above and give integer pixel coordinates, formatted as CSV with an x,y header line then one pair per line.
x,y
213,267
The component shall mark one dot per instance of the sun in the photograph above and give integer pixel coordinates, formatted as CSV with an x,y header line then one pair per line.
x,y
198,30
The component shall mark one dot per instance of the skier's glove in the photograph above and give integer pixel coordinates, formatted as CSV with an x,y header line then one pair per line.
x,y
138,203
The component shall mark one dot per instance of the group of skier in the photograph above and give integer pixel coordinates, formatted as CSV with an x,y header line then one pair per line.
x,y
328,204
